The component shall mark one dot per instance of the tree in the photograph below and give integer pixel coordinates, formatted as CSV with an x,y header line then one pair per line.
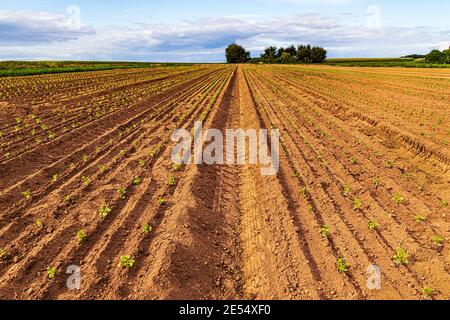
x,y
270,54
236,54
435,56
318,55
280,52
308,54
304,53
292,50
285,58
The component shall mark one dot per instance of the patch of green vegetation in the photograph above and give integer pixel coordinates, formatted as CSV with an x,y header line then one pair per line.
x,y
401,256
26,68
126,262
342,265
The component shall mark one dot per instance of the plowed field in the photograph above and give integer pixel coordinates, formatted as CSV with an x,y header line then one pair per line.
x,y
87,178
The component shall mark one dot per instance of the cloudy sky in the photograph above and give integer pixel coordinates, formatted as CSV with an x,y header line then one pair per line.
x,y
199,30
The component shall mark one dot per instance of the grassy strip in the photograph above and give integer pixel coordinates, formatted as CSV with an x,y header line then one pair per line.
x,y
16,68
388,62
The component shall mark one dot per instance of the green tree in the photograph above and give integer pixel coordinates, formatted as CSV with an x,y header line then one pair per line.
x,y
292,50
285,58
304,53
236,54
270,54
436,56
318,55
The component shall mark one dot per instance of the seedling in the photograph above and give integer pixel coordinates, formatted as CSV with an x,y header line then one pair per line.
x,y
444,203
137,181
141,162
172,182
39,223
81,236
398,198
122,193
147,229
162,201
126,262
357,204
342,265
86,180
104,211
85,158
50,135
376,182
98,150
419,218
428,292
373,225
176,167
401,256
353,161
438,240
26,194
55,177
347,191
325,231
51,272
389,164
67,198
303,191
101,168
3,253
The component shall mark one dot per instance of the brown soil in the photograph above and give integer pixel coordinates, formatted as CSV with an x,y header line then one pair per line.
x,y
224,231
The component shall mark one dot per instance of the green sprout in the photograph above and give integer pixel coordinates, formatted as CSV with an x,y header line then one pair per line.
x,y
401,256
342,265
81,236
51,272
137,181
418,218
126,262
347,190
86,180
357,204
39,223
122,193
104,211
172,182
147,229
325,231
438,240
26,194
162,201
373,225
398,198
428,292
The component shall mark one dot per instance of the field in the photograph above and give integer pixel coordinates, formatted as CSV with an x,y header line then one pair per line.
x,y
87,180
27,68
383,62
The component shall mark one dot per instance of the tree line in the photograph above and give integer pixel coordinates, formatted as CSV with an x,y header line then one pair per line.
x,y
438,57
292,54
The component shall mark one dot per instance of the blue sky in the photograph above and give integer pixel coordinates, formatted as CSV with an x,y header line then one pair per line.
x,y
199,30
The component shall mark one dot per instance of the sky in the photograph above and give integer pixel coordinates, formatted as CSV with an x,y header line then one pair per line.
x,y
199,30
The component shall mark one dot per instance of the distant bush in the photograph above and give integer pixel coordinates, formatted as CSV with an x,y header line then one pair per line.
x,y
236,54
292,54
438,57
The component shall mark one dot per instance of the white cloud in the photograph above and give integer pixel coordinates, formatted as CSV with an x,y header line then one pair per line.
x,y
27,27
49,36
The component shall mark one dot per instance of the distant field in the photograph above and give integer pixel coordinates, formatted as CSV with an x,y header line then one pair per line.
x,y
26,68
383,62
